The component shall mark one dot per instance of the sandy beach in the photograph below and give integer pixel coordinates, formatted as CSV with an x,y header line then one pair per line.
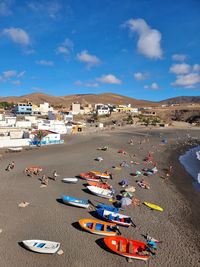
x,y
46,218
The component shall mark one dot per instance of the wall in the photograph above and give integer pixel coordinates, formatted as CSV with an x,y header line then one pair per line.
x,y
14,142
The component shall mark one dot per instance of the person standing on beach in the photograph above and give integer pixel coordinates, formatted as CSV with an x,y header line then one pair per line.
x,y
45,179
54,175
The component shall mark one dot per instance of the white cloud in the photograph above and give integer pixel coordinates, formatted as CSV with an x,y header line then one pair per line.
x,y
139,76
65,48
109,78
9,74
179,57
17,35
152,86
45,62
87,84
49,8
149,39
182,68
90,60
187,81
5,7
21,74
196,67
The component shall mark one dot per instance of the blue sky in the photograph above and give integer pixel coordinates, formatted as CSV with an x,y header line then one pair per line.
x,y
145,49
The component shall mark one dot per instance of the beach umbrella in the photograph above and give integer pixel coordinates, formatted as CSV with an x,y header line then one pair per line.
x,y
125,201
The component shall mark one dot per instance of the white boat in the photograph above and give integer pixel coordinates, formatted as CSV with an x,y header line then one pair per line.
x,y
41,246
70,180
100,192
15,149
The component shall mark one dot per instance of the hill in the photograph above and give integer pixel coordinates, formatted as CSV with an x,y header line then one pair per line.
x,y
65,101
181,100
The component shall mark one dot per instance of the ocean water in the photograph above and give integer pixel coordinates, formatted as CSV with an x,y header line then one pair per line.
x,y
191,161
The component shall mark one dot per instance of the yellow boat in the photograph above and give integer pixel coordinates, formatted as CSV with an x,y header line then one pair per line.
x,y
153,206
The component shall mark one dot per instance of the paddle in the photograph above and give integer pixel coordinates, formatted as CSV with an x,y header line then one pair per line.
x,y
133,224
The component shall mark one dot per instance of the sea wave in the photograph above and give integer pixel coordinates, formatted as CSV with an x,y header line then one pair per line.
x,y
191,162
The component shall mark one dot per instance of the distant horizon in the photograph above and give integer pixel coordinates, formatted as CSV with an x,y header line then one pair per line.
x,y
134,48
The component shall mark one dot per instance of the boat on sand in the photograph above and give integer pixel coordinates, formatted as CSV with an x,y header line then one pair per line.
x,y
78,202
89,176
15,149
42,246
153,206
127,247
115,217
101,185
98,227
70,180
100,192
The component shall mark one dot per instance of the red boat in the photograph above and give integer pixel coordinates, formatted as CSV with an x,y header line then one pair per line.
x,y
89,176
128,248
99,184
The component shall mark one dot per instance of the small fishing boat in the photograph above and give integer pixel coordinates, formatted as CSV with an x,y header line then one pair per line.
x,y
127,247
115,217
78,202
99,184
101,174
107,207
153,206
98,227
89,176
70,180
41,246
15,149
100,192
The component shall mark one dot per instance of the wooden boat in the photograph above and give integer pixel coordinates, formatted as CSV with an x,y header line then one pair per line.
x,y
101,185
70,180
98,227
101,174
107,207
89,176
41,246
127,247
15,149
78,202
153,206
114,217
100,192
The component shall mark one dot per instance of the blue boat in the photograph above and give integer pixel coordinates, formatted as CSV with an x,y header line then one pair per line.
x,y
107,207
78,202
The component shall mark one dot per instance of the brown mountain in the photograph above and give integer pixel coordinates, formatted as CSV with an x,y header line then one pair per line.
x,y
181,100
65,101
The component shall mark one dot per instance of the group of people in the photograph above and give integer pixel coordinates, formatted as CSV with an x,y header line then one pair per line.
x,y
45,178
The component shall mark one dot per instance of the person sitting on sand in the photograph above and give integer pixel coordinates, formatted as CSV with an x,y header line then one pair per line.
x,y
44,179
12,165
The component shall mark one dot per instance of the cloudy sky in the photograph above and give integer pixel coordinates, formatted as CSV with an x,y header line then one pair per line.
x,y
146,49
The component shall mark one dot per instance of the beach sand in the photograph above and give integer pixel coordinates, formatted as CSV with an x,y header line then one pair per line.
x,y
46,218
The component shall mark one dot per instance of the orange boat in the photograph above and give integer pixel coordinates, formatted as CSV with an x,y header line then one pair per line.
x,y
101,174
89,176
128,248
98,227
101,185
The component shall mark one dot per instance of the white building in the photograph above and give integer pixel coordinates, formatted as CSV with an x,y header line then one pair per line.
x,y
53,125
50,138
45,108
103,111
7,121
76,108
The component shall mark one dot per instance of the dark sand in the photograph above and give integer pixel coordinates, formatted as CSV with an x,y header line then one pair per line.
x,y
46,218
